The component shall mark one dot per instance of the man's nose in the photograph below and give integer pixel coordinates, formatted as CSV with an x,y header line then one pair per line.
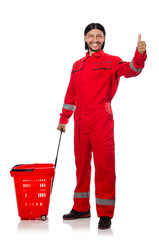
x,y
95,39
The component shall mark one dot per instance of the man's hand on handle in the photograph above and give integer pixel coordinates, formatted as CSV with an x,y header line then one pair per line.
x,y
141,45
63,126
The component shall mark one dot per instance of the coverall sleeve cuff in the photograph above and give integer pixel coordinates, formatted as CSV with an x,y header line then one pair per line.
x,y
139,59
63,120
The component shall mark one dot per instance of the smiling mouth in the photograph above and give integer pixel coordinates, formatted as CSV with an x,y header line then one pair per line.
x,y
95,44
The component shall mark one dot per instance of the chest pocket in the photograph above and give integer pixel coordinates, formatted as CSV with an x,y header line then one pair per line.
x,y
77,68
102,65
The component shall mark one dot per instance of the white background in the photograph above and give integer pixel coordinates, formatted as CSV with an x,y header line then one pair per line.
x,y
39,42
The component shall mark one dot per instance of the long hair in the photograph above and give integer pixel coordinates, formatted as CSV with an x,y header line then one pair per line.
x,y
92,26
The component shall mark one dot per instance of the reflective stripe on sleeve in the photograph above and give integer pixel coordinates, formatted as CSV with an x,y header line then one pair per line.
x,y
69,107
133,68
105,202
81,194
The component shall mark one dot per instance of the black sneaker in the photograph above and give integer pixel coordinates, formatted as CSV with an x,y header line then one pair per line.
x,y
104,223
74,215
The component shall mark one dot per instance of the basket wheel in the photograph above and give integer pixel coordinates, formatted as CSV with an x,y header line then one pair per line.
x,y
43,217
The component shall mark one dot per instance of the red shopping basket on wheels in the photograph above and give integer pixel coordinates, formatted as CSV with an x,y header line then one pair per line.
x,y
33,186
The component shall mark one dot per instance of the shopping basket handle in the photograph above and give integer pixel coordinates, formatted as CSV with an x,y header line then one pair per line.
x,y
56,157
58,147
22,170
14,169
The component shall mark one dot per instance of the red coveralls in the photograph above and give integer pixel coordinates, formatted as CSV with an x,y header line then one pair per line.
x,y
93,84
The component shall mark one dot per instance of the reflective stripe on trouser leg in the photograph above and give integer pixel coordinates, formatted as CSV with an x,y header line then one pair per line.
x,y
105,202
81,194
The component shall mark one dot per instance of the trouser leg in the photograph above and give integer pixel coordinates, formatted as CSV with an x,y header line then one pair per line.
x,y
102,142
83,172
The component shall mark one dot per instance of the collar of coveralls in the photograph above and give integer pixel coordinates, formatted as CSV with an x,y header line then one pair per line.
x,y
96,54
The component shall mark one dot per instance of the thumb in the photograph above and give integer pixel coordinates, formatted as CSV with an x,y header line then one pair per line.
x,y
139,38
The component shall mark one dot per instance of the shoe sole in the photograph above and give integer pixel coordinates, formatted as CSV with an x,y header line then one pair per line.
x,y
84,216
102,228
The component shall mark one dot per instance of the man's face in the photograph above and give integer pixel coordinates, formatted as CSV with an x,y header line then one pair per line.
x,y
94,40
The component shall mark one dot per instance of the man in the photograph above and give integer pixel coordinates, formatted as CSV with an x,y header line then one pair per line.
x,y
93,83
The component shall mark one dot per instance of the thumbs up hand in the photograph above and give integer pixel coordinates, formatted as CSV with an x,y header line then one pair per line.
x,y
141,45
